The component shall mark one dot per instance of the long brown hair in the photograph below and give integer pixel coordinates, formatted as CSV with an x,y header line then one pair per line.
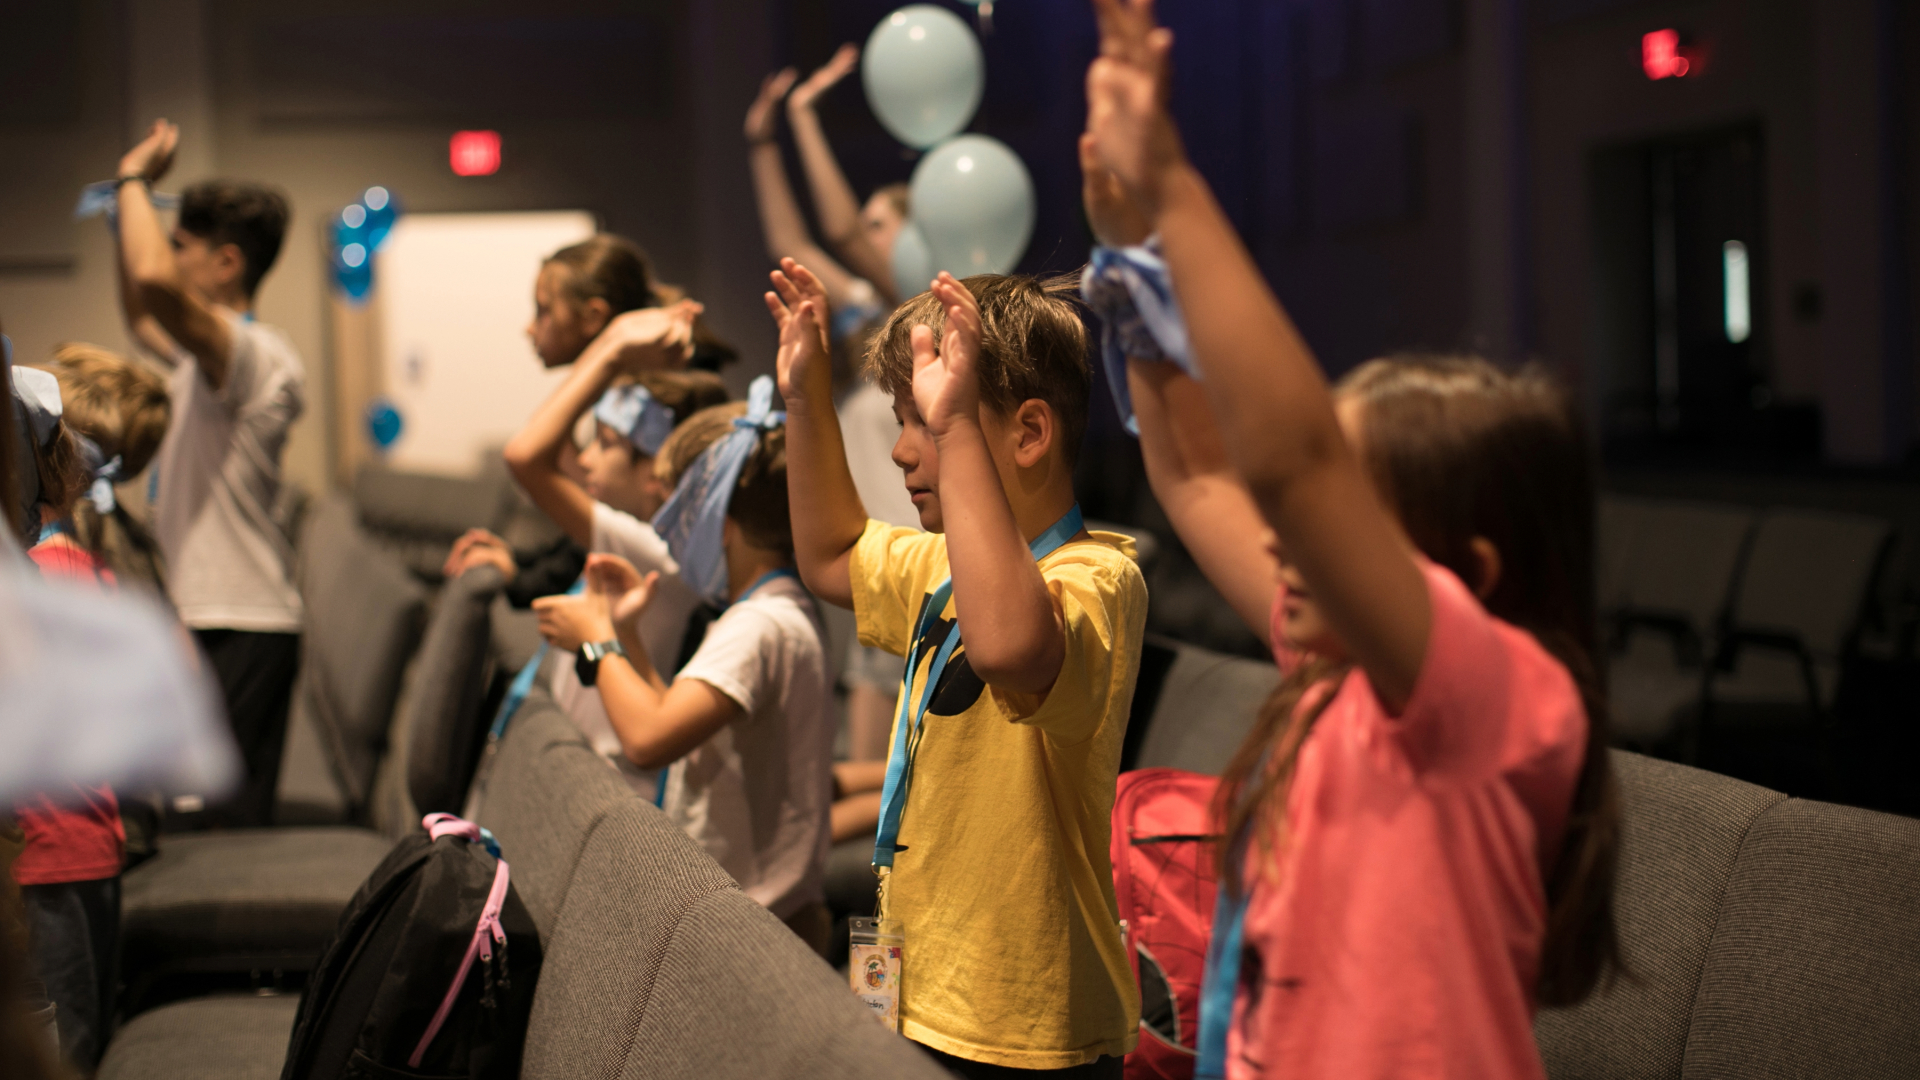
x,y
1461,450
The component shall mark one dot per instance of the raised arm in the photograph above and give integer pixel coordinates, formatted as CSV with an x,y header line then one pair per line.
x,y
161,308
1015,634
1275,414
780,220
646,338
833,197
828,516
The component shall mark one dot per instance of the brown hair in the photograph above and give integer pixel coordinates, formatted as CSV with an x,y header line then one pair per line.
x,y
758,504
1460,450
62,469
1032,346
900,195
10,493
610,267
251,217
122,406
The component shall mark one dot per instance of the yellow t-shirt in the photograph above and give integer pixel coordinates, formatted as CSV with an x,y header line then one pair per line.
x,y
1003,883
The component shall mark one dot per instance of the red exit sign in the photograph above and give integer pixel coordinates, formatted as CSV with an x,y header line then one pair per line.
x,y
474,153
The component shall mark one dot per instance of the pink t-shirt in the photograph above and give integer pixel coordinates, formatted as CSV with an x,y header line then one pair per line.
x,y
1400,934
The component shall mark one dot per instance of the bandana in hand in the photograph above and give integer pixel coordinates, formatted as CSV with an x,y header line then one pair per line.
x,y
692,520
104,198
637,415
1130,290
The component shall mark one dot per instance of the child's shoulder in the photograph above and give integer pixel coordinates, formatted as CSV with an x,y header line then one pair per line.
x,y
1107,560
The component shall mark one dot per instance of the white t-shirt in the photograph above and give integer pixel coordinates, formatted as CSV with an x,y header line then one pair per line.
x,y
869,429
756,794
217,476
662,626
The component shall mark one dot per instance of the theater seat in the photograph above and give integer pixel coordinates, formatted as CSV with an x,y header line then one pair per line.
x,y
230,1037
241,901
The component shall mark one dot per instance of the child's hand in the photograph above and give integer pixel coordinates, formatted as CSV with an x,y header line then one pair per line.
x,y
151,159
479,548
568,622
626,591
1116,221
799,306
946,382
844,60
761,117
650,339
1127,90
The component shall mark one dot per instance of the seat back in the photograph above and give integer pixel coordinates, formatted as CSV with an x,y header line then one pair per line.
x,y
638,876
737,996
1814,969
445,723
1808,576
1680,561
1615,524
1681,832
546,793
364,618
1208,701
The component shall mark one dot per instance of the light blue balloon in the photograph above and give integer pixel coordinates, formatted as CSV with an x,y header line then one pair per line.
x,y
923,73
912,261
973,202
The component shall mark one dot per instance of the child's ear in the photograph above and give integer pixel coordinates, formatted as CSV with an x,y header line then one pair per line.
x,y
595,314
230,262
1487,566
1034,429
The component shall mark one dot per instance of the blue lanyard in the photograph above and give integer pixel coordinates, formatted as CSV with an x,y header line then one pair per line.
x,y
908,726
1219,982
522,684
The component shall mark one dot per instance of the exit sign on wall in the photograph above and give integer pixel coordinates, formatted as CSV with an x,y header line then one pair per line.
x,y
474,153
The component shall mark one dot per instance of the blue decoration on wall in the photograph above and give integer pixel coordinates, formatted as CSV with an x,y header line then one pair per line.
x,y
384,423
358,231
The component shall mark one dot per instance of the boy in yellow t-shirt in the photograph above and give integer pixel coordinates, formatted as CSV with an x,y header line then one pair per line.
x,y
994,828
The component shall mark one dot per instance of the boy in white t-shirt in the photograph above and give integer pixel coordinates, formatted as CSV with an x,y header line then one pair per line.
x,y
633,415
237,387
748,723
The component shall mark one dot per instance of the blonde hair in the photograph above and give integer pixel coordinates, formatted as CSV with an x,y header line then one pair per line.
x,y
120,405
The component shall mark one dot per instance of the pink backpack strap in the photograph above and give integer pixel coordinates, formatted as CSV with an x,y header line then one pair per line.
x,y
439,825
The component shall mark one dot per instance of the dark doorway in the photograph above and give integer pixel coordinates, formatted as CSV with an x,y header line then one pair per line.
x,y
1683,327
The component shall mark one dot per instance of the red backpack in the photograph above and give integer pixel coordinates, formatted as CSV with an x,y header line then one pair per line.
x,y
1163,877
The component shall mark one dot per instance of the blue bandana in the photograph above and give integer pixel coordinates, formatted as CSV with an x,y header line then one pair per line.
x,y
691,521
1130,290
105,473
104,198
637,415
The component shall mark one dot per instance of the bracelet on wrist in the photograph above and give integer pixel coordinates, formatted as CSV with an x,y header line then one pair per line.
x,y
128,179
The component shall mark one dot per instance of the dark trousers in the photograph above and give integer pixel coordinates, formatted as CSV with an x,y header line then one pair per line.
x,y
256,672
73,930
1107,1068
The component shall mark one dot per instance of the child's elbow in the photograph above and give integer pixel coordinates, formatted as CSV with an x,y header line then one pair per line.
x,y
1029,671
647,755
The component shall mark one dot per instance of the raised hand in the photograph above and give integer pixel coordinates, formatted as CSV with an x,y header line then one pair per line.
x,y
1116,221
946,380
626,591
1127,90
844,60
762,118
650,339
151,159
798,304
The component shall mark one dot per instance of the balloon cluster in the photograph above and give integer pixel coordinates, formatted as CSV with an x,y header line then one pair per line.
x,y
358,231
972,200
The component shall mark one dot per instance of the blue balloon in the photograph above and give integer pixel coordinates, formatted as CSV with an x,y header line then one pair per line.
x,y
352,252
912,261
923,74
384,423
973,202
382,208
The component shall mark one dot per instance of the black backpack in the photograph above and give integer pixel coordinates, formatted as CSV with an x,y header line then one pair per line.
x,y
431,971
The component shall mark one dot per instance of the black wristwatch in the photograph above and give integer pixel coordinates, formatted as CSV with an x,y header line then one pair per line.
x,y
586,663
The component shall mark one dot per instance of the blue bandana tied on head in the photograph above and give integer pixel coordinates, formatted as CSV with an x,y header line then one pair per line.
x,y
692,520
1130,290
639,417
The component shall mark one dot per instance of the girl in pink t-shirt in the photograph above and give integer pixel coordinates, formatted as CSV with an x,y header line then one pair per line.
x,y
1421,824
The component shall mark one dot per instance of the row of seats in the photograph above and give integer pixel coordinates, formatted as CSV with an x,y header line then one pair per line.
x,y
1720,613
1759,930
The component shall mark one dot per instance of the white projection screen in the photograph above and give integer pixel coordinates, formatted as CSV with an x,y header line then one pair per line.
x,y
456,295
